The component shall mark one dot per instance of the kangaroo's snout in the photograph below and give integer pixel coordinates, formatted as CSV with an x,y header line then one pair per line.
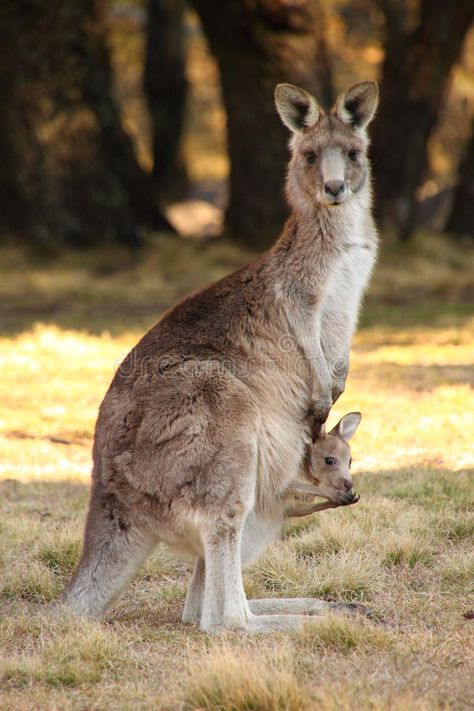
x,y
334,187
340,481
347,483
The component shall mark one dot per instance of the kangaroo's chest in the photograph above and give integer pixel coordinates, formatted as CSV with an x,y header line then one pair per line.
x,y
283,436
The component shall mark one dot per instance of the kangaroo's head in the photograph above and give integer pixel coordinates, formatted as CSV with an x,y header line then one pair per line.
x,y
330,459
329,161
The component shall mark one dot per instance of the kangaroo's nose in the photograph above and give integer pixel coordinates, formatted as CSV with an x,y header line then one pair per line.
x,y
348,484
334,187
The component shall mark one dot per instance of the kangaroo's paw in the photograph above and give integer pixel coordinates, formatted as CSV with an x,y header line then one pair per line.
x,y
343,498
355,497
350,497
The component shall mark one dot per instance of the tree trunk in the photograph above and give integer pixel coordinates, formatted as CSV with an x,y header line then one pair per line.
x,y
165,88
414,78
68,173
258,43
461,218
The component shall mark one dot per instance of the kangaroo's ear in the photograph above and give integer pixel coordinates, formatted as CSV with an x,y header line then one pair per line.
x,y
318,431
357,105
298,109
347,425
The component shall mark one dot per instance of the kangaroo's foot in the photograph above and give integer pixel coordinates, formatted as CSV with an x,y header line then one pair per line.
x,y
294,622
275,623
289,606
304,606
284,615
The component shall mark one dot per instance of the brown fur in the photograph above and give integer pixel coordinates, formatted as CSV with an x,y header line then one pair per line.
x,y
205,422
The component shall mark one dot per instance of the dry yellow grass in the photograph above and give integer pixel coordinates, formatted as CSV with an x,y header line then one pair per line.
x,y
406,550
254,678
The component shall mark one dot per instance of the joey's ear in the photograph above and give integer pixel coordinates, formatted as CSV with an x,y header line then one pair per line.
x,y
318,431
298,109
347,425
357,105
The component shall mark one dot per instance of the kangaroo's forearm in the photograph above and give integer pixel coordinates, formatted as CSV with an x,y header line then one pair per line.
x,y
305,487
304,509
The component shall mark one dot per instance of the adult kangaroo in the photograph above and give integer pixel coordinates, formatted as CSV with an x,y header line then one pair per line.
x,y
205,423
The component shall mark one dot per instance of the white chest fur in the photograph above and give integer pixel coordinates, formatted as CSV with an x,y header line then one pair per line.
x,y
259,531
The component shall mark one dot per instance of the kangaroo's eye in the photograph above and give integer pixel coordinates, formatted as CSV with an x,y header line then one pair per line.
x,y
330,460
350,462
353,155
310,157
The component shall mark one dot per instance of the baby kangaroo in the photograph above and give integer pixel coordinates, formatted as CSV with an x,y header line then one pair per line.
x,y
327,471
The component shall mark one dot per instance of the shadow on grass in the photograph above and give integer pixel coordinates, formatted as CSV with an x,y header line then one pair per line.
x,y
427,313
107,290
116,315
417,377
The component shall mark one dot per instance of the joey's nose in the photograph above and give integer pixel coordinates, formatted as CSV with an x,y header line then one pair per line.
x,y
348,484
334,187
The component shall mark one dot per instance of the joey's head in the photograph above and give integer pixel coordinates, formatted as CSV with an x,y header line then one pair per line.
x,y
330,461
329,161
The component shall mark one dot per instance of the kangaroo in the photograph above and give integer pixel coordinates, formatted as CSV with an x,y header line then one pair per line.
x,y
327,471
205,423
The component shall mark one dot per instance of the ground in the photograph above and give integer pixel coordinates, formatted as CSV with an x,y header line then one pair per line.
x,y
405,550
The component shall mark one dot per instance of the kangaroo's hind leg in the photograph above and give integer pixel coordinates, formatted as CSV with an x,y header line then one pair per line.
x,y
113,551
193,603
224,603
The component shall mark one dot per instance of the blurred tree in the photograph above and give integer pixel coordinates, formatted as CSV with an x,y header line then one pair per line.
x,y
461,218
420,49
165,88
68,173
258,43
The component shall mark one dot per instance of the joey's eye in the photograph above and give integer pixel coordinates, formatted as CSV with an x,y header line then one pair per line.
x,y
353,155
350,462
310,157
329,460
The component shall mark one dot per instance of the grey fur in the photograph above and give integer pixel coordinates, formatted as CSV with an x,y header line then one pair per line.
x,y
205,423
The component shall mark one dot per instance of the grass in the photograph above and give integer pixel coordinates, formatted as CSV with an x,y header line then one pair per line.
x,y
343,635
229,680
405,550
